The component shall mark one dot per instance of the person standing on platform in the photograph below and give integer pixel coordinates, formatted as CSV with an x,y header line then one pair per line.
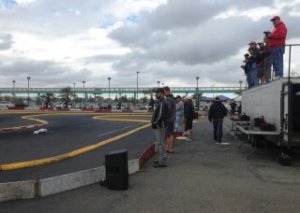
x,y
159,124
179,116
276,41
171,119
216,114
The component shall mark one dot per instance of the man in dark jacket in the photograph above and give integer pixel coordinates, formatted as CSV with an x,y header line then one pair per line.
x,y
276,41
171,101
216,114
189,112
159,124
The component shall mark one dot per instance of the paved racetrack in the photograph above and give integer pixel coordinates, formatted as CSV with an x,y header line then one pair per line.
x,y
67,133
12,120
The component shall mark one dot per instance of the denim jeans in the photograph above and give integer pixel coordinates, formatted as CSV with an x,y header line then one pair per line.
x,y
254,75
249,80
161,146
218,129
277,55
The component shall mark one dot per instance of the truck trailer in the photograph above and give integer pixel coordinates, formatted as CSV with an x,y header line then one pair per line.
x,y
279,103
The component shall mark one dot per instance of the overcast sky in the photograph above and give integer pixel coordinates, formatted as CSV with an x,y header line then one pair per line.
x,y
58,42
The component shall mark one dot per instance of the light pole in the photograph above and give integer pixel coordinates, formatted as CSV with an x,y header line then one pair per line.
x,y
137,85
240,82
198,99
14,86
74,84
109,79
158,84
84,94
28,79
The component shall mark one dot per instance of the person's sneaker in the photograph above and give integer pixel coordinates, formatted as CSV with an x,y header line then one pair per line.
x,y
159,165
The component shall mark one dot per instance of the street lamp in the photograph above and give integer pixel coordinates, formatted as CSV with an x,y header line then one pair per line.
x,y
83,84
74,84
137,85
109,79
198,99
14,86
240,82
28,79
158,84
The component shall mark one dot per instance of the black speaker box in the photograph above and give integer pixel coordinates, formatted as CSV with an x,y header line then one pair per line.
x,y
116,167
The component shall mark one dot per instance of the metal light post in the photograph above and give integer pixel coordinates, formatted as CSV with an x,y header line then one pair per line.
x,y
14,86
240,82
85,94
137,85
198,99
109,79
28,79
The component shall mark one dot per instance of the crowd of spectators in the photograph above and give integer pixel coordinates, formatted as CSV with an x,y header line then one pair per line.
x,y
264,55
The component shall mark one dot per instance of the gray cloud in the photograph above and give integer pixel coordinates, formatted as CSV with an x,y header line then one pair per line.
x,y
181,37
42,73
173,43
5,41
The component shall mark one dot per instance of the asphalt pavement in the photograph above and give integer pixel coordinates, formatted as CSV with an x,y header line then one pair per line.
x,y
67,133
201,177
13,120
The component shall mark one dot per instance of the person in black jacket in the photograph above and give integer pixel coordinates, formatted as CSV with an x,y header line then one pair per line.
x,y
171,101
216,114
159,124
189,112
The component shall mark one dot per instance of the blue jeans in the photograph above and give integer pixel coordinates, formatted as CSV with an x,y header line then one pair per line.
x,y
249,80
277,54
218,129
254,75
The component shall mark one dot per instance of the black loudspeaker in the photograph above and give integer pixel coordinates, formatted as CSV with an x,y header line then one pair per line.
x,y
116,167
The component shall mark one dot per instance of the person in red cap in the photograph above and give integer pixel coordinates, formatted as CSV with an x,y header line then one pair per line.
x,y
276,41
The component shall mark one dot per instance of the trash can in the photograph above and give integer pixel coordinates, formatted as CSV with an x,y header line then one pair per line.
x,y
116,167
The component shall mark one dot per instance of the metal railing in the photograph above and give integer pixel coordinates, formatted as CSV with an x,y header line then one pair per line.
x,y
121,90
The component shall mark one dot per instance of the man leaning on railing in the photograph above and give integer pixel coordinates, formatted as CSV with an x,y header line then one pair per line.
x,y
276,41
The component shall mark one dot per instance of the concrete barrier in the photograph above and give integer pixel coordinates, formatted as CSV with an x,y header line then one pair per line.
x,y
54,185
17,190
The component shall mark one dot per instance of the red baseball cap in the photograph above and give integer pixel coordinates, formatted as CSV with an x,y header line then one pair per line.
x,y
275,18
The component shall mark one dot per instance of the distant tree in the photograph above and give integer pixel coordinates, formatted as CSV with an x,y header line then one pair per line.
x,y
47,99
151,102
116,98
194,97
39,101
66,96
20,102
144,99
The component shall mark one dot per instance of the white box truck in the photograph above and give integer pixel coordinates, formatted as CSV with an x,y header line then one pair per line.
x,y
279,103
